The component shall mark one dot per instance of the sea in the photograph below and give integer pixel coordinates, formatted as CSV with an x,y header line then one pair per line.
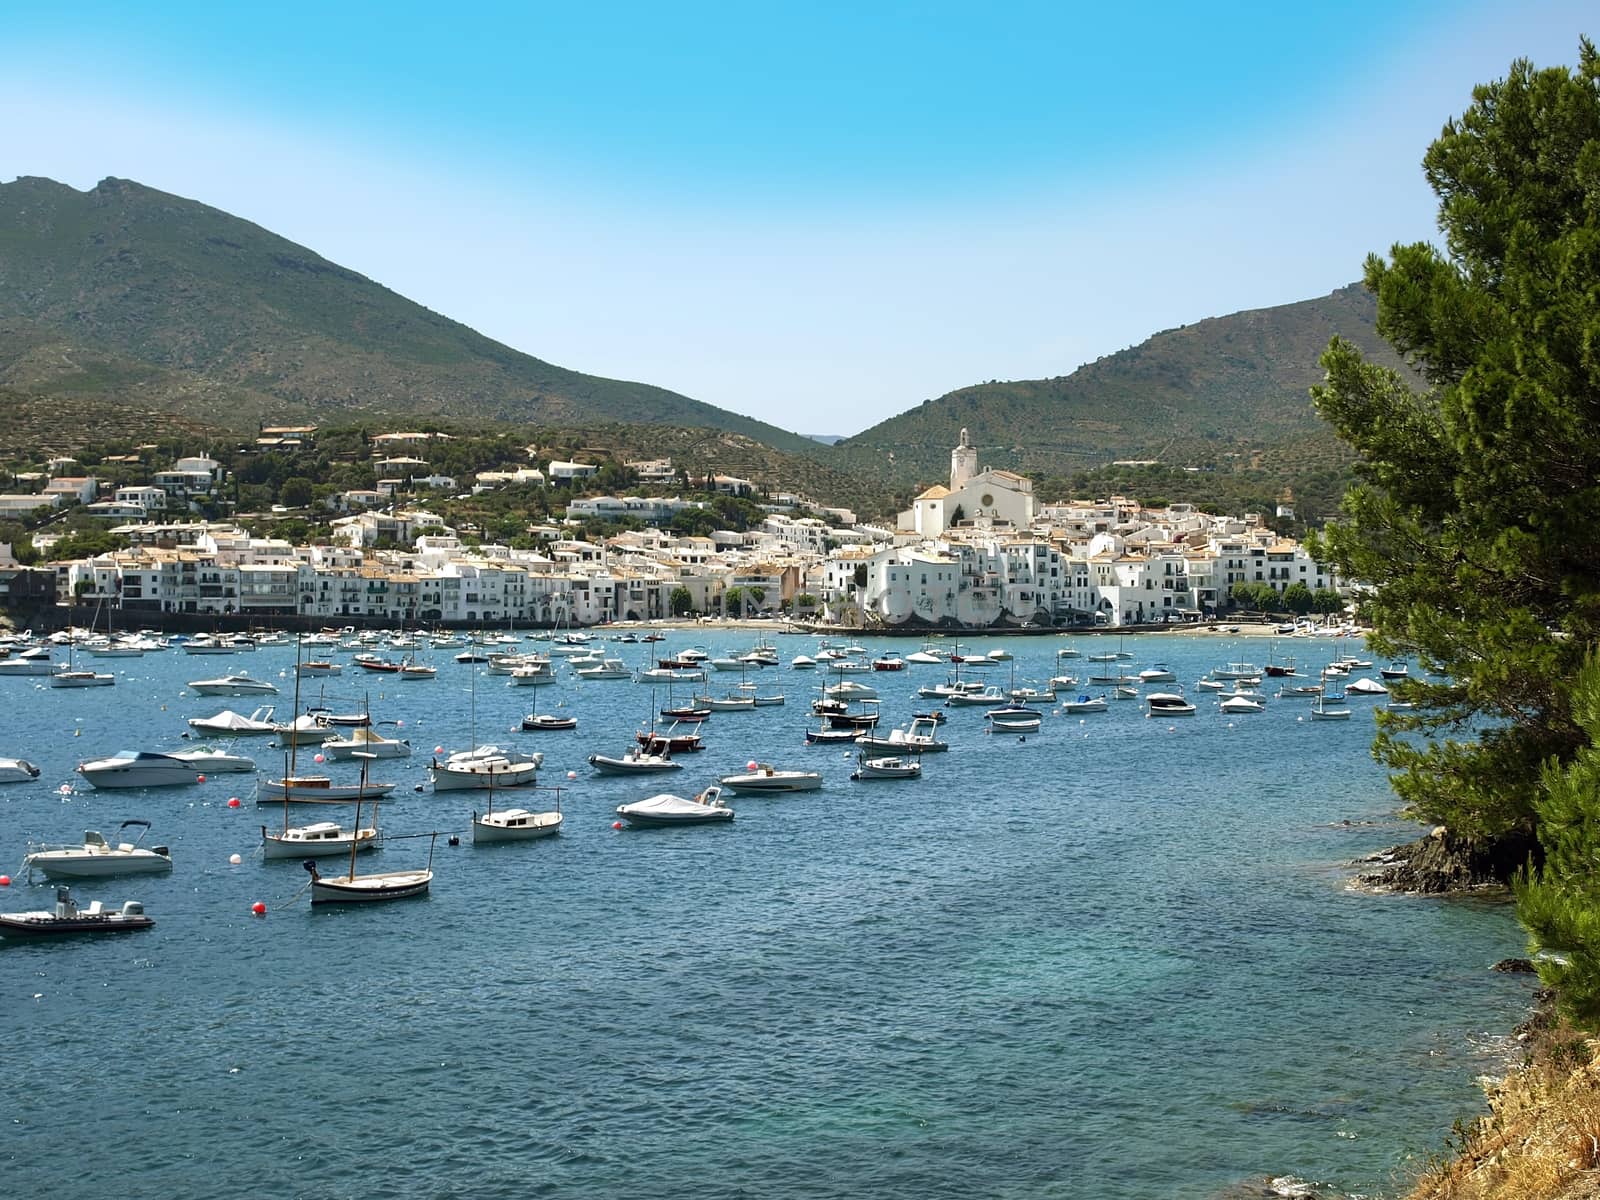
x,y
1115,958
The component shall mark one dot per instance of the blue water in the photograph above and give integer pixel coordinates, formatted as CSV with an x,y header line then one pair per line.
x,y
1117,959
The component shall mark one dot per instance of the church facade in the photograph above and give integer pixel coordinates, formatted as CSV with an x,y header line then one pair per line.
x,y
987,499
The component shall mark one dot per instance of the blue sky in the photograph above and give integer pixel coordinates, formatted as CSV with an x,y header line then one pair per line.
x,y
818,215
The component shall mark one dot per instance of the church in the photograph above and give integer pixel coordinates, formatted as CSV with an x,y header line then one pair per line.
x,y
975,499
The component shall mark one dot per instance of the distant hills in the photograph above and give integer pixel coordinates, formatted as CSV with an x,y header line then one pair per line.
x,y
126,311
1227,387
127,294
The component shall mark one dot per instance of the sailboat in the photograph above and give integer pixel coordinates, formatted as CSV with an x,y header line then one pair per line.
x,y
351,888
484,767
71,678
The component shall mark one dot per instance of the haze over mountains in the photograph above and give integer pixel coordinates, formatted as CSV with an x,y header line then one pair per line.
x,y
124,295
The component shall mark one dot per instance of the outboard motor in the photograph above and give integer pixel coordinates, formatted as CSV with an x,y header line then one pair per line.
x,y
162,850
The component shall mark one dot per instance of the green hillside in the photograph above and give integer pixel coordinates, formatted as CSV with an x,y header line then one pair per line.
x,y
1211,395
133,295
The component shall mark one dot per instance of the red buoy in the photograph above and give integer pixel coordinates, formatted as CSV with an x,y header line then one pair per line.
x,y
5,881
233,802
201,779
259,909
616,824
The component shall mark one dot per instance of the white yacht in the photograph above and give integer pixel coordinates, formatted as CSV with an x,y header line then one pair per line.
x,y
96,858
138,769
763,778
238,684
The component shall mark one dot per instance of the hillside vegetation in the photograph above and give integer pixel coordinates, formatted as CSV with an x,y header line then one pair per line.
x,y
1223,394
129,294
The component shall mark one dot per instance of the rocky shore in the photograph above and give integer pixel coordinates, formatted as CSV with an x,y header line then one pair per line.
x,y
1439,863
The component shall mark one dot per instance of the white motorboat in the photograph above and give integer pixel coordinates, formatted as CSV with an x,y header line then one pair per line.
x,y
80,679
849,689
606,668
1168,704
984,698
887,767
1239,705
765,778
237,684
413,671
706,808
1237,670
36,661
634,762
1085,704
319,667
308,729
96,858
209,761
532,674
109,648
1395,670
514,825
1209,685
802,662
1159,673
138,769
1029,695
1014,719
943,691
673,675
485,767
1366,687
229,722
317,840
17,770
365,740
924,658
68,918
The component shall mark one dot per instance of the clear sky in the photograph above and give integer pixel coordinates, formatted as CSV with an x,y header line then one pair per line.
x,y
817,214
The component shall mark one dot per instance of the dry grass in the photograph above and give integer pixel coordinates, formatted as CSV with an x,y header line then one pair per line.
x,y
1541,1138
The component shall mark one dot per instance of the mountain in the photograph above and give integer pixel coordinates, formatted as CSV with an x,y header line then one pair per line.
x,y
1223,388
126,293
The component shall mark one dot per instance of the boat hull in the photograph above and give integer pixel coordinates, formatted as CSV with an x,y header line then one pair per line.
x,y
47,924
514,825
368,889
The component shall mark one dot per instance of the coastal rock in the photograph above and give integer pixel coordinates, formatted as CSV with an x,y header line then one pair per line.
x,y
1515,966
1441,864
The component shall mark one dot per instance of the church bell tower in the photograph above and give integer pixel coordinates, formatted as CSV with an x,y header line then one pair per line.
x,y
963,462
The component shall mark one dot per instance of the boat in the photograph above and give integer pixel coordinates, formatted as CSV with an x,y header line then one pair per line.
x,y
68,918
1236,705
514,825
983,698
1395,670
208,761
485,767
365,740
1237,670
606,668
956,687
532,673
802,662
206,643
1085,704
315,789
1299,691
34,661
1366,687
690,714
634,762
1014,719
886,767
675,740
1160,673
17,770
706,808
849,689
138,769
1321,712
730,703
412,671
999,655
1031,695
920,738
319,839
547,723
96,858
773,700
78,679
319,667
765,778
235,724
672,675
1168,704
238,684
351,888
